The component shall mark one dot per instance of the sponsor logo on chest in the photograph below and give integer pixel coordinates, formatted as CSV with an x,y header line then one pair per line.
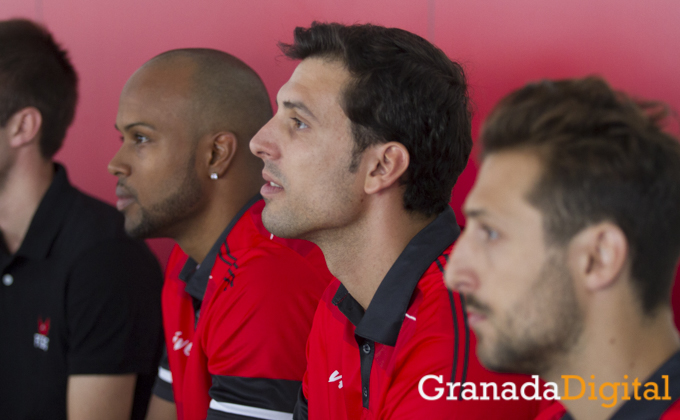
x,y
40,339
335,377
180,344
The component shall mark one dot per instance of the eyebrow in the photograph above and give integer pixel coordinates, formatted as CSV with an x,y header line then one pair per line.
x,y
134,124
298,105
472,213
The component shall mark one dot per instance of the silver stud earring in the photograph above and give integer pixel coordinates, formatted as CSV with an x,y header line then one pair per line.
x,y
214,175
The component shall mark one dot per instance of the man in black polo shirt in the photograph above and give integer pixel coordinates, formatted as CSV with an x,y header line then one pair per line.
x,y
80,321
570,249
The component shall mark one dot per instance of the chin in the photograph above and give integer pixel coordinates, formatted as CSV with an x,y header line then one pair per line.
x,y
486,357
131,228
280,231
277,225
492,357
135,233
141,230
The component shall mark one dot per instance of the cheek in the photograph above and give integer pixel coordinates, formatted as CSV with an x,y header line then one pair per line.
x,y
520,256
510,275
316,171
156,177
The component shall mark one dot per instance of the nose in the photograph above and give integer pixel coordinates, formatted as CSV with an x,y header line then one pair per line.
x,y
117,166
263,144
460,275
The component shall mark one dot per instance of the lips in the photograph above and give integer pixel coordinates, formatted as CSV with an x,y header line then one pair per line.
x,y
476,311
271,187
125,197
474,318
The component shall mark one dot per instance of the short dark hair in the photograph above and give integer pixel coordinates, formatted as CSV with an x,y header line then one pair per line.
x,y
403,89
35,71
604,157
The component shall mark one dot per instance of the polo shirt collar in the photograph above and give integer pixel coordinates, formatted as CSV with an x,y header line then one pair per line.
x,y
46,221
195,275
382,320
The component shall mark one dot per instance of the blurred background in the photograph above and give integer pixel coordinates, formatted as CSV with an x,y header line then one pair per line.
x,y
502,45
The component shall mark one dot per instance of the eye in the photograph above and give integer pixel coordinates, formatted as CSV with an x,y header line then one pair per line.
x,y
491,234
299,124
140,138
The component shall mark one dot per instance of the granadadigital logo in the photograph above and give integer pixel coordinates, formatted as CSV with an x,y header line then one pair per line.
x,y
607,391
488,390
336,376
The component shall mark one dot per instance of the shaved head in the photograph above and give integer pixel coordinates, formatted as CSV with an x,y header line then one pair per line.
x,y
225,94
186,119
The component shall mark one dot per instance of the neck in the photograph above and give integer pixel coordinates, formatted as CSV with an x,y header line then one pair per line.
x,y
360,255
22,190
227,196
621,348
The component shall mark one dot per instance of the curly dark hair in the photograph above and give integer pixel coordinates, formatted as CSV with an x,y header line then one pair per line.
x,y
403,89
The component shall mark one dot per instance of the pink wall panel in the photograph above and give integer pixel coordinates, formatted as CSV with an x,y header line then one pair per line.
x,y
17,8
501,44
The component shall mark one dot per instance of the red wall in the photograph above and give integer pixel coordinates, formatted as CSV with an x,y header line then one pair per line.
x,y
502,44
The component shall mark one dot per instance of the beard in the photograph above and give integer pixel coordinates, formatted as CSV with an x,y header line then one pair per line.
x,y
311,216
158,219
540,329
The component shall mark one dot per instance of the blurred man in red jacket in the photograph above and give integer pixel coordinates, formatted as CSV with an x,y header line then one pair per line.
x,y
570,248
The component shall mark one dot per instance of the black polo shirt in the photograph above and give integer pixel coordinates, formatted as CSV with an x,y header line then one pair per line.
x,y
78,297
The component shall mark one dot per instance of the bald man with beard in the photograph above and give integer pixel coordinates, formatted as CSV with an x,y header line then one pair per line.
x,y
237,301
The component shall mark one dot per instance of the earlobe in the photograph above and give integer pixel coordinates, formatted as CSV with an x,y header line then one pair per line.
x,y
388,162
223,150
24,126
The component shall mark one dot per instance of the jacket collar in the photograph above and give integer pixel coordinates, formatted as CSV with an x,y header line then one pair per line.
x,y
46,222
195,275
382,320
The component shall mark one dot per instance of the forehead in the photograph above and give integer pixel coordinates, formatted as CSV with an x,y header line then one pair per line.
x,y
317,83
157,93
503,183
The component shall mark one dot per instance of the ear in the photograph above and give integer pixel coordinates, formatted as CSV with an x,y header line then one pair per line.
x,y
223,150
600,255
24,126
386,164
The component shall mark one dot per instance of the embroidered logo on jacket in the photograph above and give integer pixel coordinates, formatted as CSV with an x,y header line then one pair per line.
x,y
336,376
181,344
40,339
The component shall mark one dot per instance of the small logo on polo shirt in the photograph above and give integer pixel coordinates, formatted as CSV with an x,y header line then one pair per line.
x,y
181,344
336,376
40,339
